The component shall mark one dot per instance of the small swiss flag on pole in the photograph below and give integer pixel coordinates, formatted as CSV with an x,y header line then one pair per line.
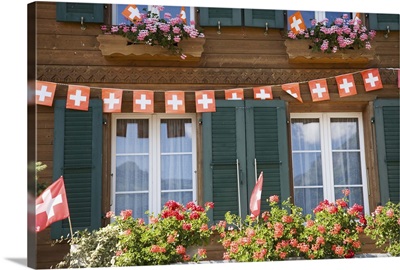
x,y
255,199
51,205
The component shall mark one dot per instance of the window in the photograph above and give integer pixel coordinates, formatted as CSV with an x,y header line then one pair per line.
x,y
327,157
154,160
384,21
318,15
80,12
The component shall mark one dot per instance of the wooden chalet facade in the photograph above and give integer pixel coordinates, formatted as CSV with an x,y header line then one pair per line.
x,y
231,141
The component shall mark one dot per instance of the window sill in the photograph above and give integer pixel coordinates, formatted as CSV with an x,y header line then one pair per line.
x,y
299,52
116,47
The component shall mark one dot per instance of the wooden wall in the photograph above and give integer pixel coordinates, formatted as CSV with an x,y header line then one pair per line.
x,y
238,57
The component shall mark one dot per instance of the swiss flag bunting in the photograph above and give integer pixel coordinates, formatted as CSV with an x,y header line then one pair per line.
x,y
372,80
175,102
44,93
262,93
296,22
205,101
132,13
78,97
293,89
112,100
143,101
346,85
398,78
255,199
51,205
234,94
319,90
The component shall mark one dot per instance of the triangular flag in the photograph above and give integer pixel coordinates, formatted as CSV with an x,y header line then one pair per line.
x,y
262,92
296,22
182,15
205,101
45,93
346,85
131,12
78,97
319,90
143,101
112,100
372,79
175,102
357,18
255,199
234,94
398,78
51,205
293,89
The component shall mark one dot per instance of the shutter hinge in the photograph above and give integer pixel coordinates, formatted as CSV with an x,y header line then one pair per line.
x,y
372,120
104,121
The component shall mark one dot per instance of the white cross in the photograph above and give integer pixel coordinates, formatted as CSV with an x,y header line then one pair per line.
x,y
292,94
319,90
42,93
48,204
295,23
234,97
174,102
258,197
78,97
134,13
346,86
111,100
205,101
263,95
143,101
371,79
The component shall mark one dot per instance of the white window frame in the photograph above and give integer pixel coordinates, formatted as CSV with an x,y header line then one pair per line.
x,y
326,152
155,156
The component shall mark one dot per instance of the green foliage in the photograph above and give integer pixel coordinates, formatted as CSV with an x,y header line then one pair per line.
x,y
383,226
40,187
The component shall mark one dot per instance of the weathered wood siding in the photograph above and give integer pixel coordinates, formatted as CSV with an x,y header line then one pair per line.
x,y
238,57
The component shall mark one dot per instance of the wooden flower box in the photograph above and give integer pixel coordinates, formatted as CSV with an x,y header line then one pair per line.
x,y
299,51
117,47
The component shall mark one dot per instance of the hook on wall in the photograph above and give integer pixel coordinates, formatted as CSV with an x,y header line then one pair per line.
x,y
219,28
83,26
387,31
266,29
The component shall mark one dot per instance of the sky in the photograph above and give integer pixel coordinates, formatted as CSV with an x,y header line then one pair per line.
x,y
13,142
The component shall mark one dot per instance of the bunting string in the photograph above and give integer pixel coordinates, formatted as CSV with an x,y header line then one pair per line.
x,y
143,100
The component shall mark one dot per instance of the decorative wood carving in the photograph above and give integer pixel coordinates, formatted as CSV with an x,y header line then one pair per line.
x,y
117,47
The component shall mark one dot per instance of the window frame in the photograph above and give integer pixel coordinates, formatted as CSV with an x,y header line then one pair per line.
x,y
326,152
154,189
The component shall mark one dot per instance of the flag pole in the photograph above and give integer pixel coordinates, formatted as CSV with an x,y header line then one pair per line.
x,y
70,227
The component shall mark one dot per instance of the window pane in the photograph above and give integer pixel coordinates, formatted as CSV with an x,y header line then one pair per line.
x,y
344,132
306,134
132,136
176,172
181,197
138,203
176,135
356,195
308,198
132,173
307,169
346,168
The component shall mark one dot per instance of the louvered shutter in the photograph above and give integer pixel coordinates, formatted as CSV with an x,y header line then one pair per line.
x,y
77,157
258,18
387,121
382,21
74,12
226,16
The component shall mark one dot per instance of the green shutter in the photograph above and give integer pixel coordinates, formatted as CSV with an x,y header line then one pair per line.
x,y
73,12
78,158
226,16
244,131
382,21
387,121
259,17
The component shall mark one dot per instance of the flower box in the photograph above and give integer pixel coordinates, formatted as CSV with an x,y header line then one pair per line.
x,y
299,51
118,47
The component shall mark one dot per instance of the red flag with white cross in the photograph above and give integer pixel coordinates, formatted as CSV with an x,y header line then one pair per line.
x,y
262,92
143,101
372,79
234,94
175,102
132,13
255,199
51,205
44,93
293,89
78,97
296,22
112,100
346,85
205,101
319,90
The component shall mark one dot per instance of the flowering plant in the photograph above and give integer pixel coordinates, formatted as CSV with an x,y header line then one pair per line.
x,y
152,30
342,33
273,237
383,226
